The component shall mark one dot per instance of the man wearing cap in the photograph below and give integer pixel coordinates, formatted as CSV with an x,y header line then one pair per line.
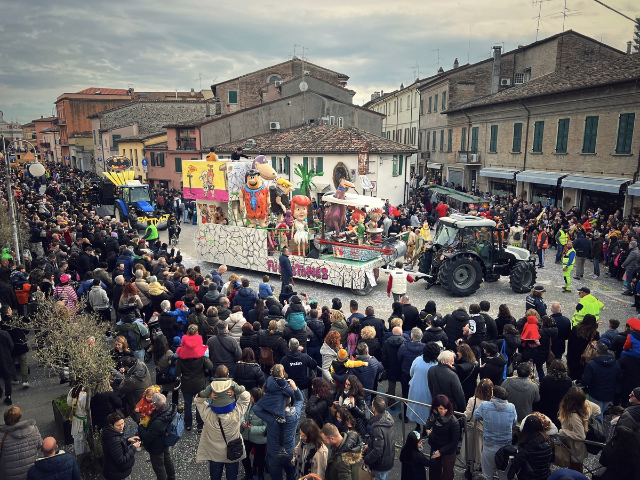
x,y
568,261
588,304
562,237
630,265
534,300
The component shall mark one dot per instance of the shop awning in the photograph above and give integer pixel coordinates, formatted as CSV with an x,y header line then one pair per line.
x,y
435,166
634,189
600,184
498,173
537,176
455,194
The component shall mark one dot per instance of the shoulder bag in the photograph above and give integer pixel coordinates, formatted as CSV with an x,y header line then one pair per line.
x,y
590,351
235,448
266,354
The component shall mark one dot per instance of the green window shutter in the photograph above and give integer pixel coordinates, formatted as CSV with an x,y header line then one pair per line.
x,y
286,165
273,163
319,165
590,135
442,140
421,109
153,159
428,141
625,132
394,170
474,139
429,105
233,96
563,135
114,140
162,159
400,166
450,141
433,145
493,144
305,163
517,137
538,135
435,103
463,140
178,165
444,100
419,140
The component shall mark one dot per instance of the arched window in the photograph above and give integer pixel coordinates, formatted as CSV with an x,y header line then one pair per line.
x,y
273,78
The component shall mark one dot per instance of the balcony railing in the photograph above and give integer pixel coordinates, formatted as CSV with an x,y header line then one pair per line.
x,y
468,157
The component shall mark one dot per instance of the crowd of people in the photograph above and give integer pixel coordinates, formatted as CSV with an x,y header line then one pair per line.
x,y
286,386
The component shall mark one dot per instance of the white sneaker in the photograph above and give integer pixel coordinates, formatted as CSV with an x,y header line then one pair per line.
x,y
14,382
25,384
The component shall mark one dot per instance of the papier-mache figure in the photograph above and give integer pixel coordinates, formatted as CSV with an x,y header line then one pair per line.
x,y
336,217
358,217
375,214
279,196
300,230
256,199
261,164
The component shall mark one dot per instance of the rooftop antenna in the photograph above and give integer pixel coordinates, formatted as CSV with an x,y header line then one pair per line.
x,y
200,79
566,12
438,50
539,3
416,71
469,46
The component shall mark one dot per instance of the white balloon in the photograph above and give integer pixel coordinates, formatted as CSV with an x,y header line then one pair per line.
x,y
36,169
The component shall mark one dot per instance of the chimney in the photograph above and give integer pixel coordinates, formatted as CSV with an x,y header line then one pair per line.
x,y
193,93
375,95
218,106
455,63
207,110
629,47
495,77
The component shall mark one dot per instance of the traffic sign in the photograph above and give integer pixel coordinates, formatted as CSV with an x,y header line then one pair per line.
x,y
99,159
145,162
66,158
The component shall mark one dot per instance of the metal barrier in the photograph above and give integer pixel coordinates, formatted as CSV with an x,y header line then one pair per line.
x,y
405,401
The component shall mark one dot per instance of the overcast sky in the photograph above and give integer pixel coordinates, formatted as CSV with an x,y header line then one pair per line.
x,y
52,47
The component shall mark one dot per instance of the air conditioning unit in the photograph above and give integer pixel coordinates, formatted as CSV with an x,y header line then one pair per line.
x,y
324,121
278,83
274,125
505,82
475,157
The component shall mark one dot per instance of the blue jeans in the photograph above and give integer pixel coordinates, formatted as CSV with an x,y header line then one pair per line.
x,y
603,406
139,355
559,253
596,267
276,465
380,475
541,257
216,468
185,215
188,415
540,370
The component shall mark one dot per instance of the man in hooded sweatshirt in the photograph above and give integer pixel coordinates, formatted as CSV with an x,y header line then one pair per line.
x,y
602,377
499,418
454,327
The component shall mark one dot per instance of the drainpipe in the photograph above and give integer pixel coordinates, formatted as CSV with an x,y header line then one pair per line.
x,y
526,146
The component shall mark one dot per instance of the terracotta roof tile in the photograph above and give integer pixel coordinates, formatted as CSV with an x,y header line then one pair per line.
x,y
104,91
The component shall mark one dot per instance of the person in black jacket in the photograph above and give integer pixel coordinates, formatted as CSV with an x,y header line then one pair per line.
x,y
621,456
298,365
443,430
379,452
169,323
548,333
118,451
467,369
273,339
535,452
504,317
7,293
247,372
411,314
370,320
443,380
223,349
317,336
249,339
492,327
320,400
563,324
413,460
493,366
454,324
553,388
153,435
390,361
104,402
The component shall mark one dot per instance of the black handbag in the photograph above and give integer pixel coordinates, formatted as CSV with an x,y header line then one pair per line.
x,y
164,377
235,448
596,433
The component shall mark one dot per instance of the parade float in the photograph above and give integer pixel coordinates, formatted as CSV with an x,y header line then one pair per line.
x,y
264,215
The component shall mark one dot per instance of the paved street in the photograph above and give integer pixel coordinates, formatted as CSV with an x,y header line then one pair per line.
x,y
36,401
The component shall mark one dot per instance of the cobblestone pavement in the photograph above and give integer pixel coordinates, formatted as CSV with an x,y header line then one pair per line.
x,y
36,401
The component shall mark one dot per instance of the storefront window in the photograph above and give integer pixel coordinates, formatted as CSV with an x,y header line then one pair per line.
x,y
541,193
609,202
501,189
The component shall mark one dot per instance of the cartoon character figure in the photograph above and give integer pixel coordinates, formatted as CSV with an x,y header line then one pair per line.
x,y
336,218
204,213
256,199
206,177
375,214
300,231
261,164
279,195
358,217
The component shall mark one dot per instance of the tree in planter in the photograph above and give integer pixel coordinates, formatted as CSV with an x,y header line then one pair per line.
x,y
63,341
306,182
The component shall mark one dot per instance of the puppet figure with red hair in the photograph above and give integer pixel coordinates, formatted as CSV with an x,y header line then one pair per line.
x,y
358,217
300,230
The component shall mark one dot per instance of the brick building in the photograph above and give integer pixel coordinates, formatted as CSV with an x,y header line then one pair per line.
x,y
246,90
571,136
452,153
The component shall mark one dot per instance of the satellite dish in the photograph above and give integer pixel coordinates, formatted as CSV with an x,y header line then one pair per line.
x,y
304,86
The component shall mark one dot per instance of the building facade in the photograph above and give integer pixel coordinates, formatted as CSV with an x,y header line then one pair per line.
x,y
570,137
133,148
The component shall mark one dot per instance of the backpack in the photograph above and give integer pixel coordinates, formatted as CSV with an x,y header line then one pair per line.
x,y
174,429
132,339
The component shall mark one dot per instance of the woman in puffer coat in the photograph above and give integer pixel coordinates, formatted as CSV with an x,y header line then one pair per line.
x,y
104,402
548,333
249,339
118,451
247,372
20,445
535,452
235,322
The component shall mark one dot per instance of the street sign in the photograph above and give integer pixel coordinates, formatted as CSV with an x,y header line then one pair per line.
x,y
99,159
145,162
144,168
66,158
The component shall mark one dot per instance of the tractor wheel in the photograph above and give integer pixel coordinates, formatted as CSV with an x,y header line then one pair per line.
x,y
460,276
523,277
365,291
119,215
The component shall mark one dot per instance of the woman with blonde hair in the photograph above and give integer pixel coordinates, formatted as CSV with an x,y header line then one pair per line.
x,y
483,393
574,413
368,336
329,352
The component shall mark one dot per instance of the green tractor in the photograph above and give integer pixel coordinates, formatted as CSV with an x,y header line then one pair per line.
x,y
468,249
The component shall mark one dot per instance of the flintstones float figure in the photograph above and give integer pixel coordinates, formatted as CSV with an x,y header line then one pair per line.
x,y
300,230
373,231
206,177
279,196
336,217
358,217
255,199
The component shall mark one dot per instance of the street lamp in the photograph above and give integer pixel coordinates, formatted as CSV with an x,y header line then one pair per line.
x,y
10,200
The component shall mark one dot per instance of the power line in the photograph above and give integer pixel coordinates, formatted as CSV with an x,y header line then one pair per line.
x,y
614,10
